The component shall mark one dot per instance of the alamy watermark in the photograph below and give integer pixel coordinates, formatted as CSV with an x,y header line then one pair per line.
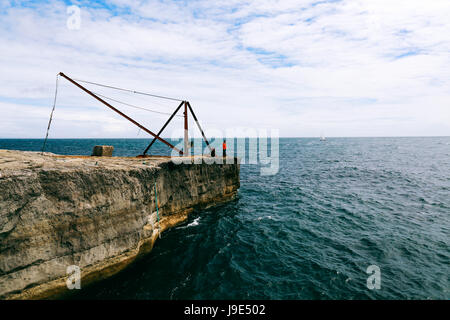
x,y
250,146
374,280
74,20
74,277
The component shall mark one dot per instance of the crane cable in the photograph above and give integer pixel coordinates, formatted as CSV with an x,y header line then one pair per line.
x,y
157,212
51,115
128,90
133,106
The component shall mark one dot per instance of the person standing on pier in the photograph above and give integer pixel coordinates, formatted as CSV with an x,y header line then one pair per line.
x,y
224,147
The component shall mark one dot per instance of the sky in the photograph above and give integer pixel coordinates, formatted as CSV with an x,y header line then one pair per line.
x,y
345,68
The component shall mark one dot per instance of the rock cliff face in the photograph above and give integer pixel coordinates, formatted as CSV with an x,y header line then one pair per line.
x,y
95,213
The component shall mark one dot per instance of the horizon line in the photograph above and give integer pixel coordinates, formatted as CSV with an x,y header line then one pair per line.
x,y
285,137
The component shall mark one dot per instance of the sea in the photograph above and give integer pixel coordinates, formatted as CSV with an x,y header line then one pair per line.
x,y
345,218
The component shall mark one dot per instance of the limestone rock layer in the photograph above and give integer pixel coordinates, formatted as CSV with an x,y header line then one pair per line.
x,y
96,213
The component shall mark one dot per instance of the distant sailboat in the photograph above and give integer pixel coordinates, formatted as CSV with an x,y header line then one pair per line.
x,y
322,138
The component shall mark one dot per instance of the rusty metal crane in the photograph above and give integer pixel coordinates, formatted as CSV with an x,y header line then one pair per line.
x,y
186,104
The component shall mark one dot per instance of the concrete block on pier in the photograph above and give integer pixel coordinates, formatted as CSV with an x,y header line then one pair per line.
x,y
103,151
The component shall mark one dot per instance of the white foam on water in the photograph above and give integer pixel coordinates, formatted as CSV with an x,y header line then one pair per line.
x,y
265,217
194,223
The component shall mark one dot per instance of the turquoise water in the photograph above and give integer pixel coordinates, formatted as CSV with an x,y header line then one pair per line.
x,y
308,232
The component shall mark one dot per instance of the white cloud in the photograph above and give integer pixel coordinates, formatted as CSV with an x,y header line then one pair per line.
x,y
348,68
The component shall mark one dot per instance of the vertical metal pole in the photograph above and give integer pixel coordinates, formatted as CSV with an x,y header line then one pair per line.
x,y
186,137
